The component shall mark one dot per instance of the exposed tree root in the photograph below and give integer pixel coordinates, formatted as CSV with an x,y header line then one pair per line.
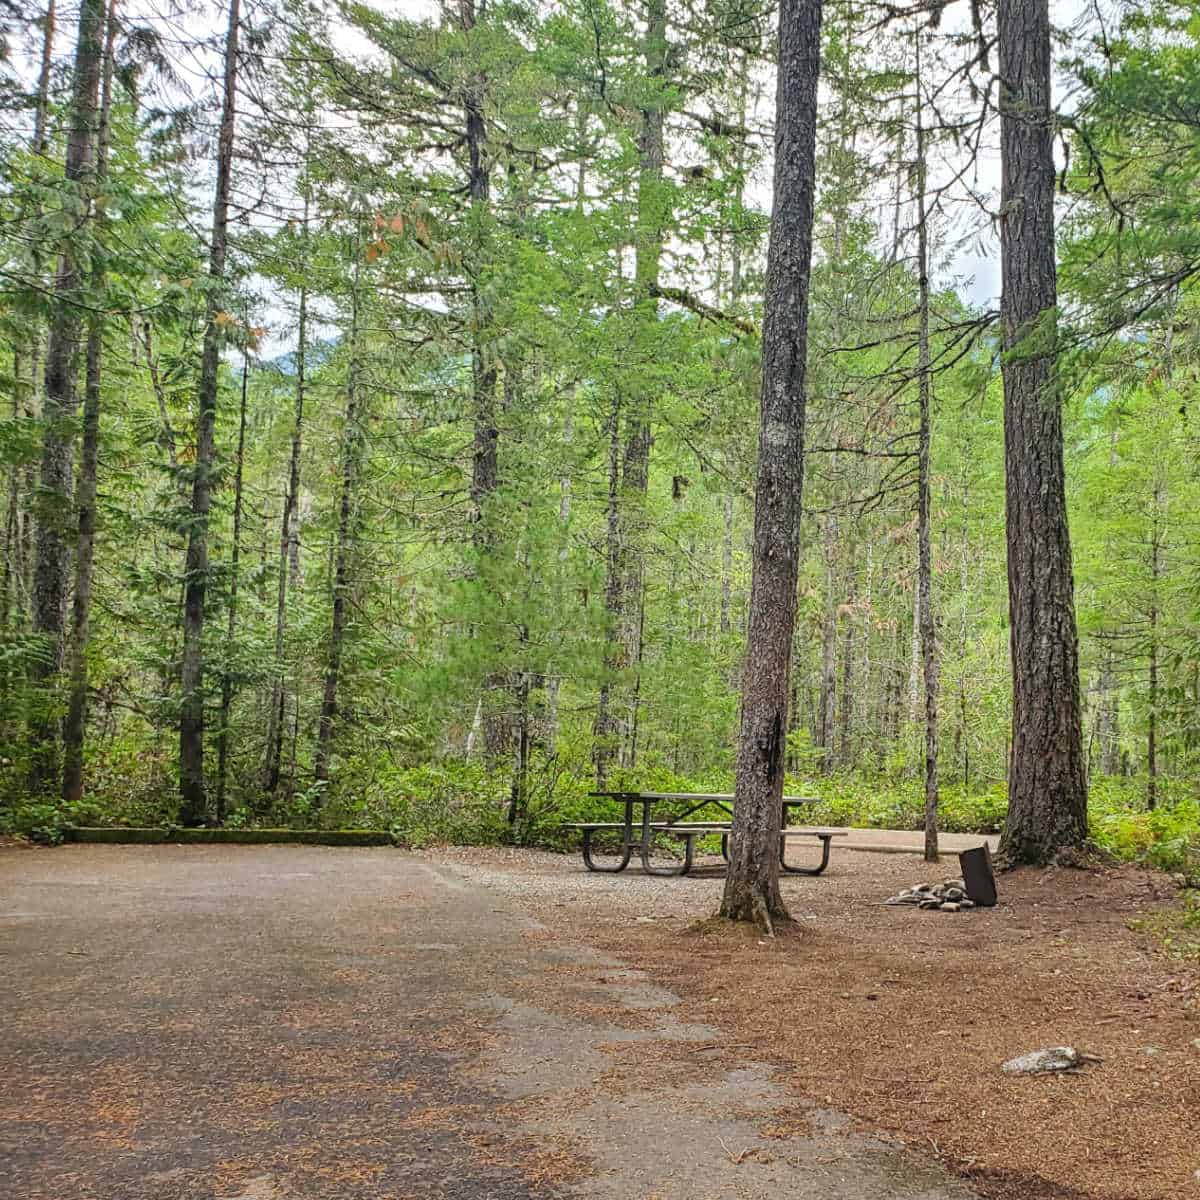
x,y
762,914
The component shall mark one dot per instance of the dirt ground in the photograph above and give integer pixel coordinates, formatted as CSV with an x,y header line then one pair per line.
x,y
902,1017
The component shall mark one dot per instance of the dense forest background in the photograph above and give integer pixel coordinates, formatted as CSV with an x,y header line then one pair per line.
x,y
410,483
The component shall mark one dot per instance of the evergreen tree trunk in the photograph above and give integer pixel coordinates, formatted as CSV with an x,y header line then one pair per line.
x,y
1156,571
1109,723
14,594
554,682
605,729
234,565
828,681
75,723
866,666
485,468
351,443
726,562
288,534
41,112
10,589
616,715
1110,737
845,745
735,295
752,883
929,654
1047,810
914,657
635,473
55,492
193,803
15,587
40,144
519,789
166,436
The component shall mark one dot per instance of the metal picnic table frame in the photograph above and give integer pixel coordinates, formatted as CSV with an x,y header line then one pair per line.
x,y
638,834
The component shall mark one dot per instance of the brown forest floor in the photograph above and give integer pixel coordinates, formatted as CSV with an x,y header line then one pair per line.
x,y
902,1018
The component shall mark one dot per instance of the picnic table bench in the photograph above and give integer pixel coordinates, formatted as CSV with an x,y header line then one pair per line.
x,y
639,834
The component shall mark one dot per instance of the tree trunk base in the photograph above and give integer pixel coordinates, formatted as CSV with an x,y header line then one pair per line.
x,y
1083,857
752,906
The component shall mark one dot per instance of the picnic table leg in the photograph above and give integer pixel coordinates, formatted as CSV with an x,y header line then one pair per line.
x,y
725,846
805,870
626,854
689,840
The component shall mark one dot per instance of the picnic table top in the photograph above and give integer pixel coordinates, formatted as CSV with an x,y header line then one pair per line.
x,y
708,827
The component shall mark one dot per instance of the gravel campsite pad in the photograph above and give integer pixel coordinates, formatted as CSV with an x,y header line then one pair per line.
x,y
903,1017
321,1023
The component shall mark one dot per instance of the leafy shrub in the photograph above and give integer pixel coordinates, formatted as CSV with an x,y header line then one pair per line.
x,y
39,820
1167,836
453,802
877,802
469,802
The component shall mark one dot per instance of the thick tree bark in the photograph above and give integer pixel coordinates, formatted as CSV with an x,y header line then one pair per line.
x,y
1047,810
752,884
234,566
351,452
55,493
75,722
193,802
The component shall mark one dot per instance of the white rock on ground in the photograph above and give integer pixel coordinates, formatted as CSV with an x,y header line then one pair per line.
x,y
1050,1058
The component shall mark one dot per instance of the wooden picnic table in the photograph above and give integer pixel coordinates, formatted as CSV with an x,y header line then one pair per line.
x,y
639,833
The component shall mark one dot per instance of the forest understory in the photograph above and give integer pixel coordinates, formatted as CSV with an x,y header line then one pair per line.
x,y
381,392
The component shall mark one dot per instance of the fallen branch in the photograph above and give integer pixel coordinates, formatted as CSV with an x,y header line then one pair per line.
x,y
692,303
